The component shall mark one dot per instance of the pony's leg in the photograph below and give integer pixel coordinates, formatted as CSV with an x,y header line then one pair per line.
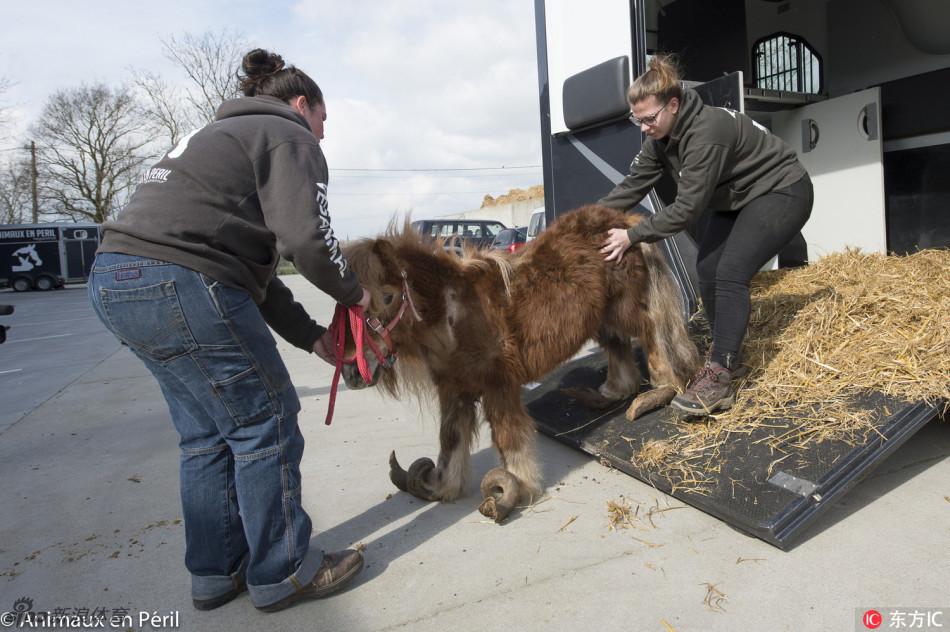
x,y
621,321
457,431
513,434
662,377
445,481
623,375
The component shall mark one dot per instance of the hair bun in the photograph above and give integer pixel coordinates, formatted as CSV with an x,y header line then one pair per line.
x,y
260,63
266,74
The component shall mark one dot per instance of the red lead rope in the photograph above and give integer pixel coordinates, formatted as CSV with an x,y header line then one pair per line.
x,y
357,322
354,318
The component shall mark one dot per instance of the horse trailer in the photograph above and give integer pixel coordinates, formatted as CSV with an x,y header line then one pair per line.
x,y
857,87
46,256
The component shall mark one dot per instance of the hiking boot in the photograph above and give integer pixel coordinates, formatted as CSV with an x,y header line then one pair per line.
x,y
737,368
709,392
240,585
335,572
733,362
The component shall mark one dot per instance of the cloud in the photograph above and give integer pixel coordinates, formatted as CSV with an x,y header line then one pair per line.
x,y
409,84
426,84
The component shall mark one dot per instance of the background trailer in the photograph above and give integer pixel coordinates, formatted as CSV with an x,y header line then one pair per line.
x,y
45,256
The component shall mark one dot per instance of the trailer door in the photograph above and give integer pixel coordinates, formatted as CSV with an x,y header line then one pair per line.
x,y
80,245
839,143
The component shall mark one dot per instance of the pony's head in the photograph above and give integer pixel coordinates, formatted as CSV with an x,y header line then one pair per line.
x,y
391,310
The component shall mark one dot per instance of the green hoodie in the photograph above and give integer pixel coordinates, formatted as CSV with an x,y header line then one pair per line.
x,y
719,158
231,199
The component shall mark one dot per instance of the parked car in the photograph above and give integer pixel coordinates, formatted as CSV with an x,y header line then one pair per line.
x,y
478,232
536,224
510,240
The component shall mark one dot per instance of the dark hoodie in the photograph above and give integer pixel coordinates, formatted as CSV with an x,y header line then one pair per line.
x,y
719,158
233,197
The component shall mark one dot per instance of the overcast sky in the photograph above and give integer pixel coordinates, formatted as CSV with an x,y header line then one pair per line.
x,y
409,84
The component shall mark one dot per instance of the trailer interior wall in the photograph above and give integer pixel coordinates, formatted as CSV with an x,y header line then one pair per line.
x,y
869,47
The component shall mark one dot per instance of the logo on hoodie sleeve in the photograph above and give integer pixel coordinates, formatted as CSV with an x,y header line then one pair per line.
x,y
333,246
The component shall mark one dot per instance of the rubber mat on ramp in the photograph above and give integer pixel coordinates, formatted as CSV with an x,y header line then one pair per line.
x,y
771,495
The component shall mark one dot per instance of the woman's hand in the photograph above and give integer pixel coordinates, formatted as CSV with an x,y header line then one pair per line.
x,y
364,302
616,244
325,348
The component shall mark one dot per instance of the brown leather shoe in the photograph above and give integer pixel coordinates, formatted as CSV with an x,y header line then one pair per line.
x,y
335,572
220,600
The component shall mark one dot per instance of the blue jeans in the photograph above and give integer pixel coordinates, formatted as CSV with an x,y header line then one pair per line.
x,y
235,409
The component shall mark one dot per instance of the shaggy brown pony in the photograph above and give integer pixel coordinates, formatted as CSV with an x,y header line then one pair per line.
x,y
487,323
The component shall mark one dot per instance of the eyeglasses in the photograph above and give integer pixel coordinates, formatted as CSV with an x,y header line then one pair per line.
x,y
647,120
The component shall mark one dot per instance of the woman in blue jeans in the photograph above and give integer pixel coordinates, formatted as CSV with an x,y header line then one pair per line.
x,y
185,277
759,194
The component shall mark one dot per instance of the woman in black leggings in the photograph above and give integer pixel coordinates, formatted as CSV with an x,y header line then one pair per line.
x,y
759,194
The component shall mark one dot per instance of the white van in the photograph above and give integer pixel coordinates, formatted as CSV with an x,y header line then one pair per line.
x,y
537,223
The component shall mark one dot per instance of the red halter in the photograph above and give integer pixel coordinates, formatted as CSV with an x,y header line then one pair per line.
x,y
356,319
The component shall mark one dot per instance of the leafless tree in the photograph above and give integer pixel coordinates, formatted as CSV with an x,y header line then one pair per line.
x,y
90,151
166,113
16,202
5,84
211,61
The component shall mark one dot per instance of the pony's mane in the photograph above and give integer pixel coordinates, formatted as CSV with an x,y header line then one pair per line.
x,y
404,238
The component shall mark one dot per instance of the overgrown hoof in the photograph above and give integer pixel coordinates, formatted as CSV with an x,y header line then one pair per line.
x,y
415,481
489,509
589,397
501,490
645,402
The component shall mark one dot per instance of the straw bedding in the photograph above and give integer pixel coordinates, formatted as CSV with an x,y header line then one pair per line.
x,y
819,337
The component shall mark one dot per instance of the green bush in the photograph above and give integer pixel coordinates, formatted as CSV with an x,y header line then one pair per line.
x,y
285,267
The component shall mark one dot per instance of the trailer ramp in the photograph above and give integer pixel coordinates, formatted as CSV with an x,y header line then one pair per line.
x,y
755,490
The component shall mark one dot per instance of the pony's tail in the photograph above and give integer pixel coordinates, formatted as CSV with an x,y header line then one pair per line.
x,y
669,325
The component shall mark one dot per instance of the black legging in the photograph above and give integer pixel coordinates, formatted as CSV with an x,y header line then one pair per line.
x,y
734,246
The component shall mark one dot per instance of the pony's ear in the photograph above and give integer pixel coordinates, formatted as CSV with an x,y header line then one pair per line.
x,y
388,257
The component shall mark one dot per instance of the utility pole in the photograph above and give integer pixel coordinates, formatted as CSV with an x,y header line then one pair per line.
x,y
33,177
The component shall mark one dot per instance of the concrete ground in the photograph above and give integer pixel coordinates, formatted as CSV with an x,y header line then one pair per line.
x,y
90,516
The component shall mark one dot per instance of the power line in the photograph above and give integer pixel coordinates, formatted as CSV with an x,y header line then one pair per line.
x,y
443,169
409,195
370,176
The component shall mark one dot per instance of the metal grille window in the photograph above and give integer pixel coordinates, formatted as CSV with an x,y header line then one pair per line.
x,y
786,62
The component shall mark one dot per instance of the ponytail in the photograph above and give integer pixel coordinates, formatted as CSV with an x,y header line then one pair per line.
x,y
661,80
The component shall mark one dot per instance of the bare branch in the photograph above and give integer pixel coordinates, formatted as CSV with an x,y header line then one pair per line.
x,y
15,194
5,107
163,110
211,61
